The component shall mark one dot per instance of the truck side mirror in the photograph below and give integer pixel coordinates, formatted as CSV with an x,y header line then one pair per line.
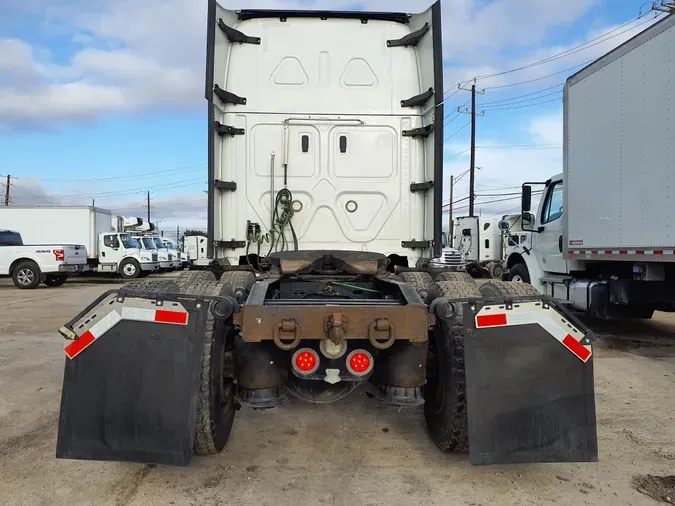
x,y
528,219
526,199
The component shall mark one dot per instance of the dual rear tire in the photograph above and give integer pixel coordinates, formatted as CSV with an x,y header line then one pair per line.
x,y
216,402
445,406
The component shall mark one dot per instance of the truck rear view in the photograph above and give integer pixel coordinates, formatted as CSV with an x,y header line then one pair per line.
x,y
325,162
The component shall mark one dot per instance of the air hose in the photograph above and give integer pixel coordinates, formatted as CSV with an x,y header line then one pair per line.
x,y
283,213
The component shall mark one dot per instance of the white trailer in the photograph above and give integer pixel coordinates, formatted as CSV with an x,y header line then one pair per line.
x,y
603,238
108,250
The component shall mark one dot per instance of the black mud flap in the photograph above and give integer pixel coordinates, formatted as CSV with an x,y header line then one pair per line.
x,y
529,382
131,395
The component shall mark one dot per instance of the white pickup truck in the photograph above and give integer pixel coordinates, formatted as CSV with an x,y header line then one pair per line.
x,y
30,265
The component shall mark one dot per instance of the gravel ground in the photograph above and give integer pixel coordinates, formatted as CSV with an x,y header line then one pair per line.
x,y
357,451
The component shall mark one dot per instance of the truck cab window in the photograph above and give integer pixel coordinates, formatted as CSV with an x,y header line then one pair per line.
x,y
553,209
110,241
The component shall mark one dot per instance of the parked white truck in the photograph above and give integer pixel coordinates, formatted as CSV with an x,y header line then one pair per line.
x,y
32,264
108,249
480,244
602,239
195,246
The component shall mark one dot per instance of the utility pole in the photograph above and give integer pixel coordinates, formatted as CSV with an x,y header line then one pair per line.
x,y
450,224
472,167
148,207
93,202
178,235
7,190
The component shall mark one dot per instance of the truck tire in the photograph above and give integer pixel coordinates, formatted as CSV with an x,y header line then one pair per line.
x,y
497,271
420,281
152,285
445,391
130,269
188,278
500,289
519,274
454,276
237,284
216,402
54,280
26,275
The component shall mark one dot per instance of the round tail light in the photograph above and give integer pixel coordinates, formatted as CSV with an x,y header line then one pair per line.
x,y
360,362
305,361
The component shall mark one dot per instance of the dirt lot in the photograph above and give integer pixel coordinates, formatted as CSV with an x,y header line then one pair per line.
x,y
354,452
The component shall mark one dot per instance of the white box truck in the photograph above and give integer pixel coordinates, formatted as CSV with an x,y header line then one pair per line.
x,y
602,239
108,249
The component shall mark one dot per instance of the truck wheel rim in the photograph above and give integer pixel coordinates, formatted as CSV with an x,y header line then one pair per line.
x,y
517,278
25,276
129,269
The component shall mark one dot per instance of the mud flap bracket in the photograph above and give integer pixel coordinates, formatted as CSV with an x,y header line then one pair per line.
x,y
530,397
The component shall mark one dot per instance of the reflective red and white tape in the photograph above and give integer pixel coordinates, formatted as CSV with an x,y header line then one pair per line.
x,y
578,252
528,313
76,347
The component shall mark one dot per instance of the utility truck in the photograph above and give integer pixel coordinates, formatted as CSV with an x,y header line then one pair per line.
x,y
602,240
109,249
180,257
31,264
325,204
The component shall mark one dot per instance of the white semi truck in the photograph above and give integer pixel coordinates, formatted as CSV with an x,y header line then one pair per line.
x,y
109,249
480,244
325,150
602,239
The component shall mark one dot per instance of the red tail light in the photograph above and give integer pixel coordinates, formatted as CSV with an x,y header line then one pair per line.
x,y
305,361
60,255
359,362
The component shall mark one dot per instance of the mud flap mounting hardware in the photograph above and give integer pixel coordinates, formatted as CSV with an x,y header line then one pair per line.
x,y
227,129
412,39
228,98
233,244
418,100
415,244
237,36
421,187
424,131
530,394
225,185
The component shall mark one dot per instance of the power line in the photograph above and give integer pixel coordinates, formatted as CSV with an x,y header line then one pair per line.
x,y
529,105
452,156
175,184
194,167
521,96
573,50
491,107
540,78
523,146
462,128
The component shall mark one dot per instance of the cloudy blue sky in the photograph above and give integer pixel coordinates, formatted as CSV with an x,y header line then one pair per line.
x,y
103,99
